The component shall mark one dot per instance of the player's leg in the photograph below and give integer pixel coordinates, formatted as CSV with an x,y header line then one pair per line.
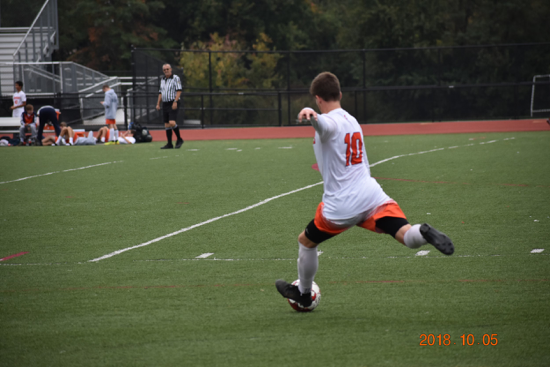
x,y
33,132
166,119
111,125
316,232
22,132
48,140
173,116
390,219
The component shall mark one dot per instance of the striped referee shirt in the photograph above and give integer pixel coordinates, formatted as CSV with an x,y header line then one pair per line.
x,y
169,87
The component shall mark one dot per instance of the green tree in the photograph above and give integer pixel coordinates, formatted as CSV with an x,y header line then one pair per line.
x,y
99,33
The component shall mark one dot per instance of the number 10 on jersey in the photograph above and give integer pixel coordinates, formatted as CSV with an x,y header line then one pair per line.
x,y
354,148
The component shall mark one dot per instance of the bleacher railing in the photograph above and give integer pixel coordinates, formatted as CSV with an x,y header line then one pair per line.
x,y
42,37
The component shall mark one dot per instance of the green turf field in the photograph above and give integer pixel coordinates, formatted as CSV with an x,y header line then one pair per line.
x,y
158,305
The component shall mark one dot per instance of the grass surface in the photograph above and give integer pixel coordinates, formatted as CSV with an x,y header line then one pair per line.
x,y
158,305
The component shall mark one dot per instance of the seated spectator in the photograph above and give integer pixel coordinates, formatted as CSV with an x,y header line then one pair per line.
x,y
28,121
106,135
127,137
67,133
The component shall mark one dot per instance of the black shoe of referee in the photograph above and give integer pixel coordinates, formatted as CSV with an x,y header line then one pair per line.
x,y
438,239
179,143
168,146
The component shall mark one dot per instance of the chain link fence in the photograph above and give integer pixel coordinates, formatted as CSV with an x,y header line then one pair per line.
x,y
268,88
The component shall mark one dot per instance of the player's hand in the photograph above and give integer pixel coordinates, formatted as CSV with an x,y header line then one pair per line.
x,y
101,102
175,105
158,107
13,108
306,114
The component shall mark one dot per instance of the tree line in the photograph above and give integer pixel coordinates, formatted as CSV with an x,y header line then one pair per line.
x,y
100,33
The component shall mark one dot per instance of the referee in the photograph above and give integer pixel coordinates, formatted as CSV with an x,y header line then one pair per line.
x,y
169,93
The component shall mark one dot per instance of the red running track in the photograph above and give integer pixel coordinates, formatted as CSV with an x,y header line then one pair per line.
x,y
422,128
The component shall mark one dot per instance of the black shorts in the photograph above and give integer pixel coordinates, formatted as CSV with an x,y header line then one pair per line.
x,y
168,114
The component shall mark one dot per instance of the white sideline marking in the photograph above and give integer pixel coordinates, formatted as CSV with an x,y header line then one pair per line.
x,y
422,253
251,207
537,251
66,170
203,223
192,150
319,253
205,255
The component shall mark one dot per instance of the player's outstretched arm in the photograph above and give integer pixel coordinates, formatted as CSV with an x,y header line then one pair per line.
x,y
306,114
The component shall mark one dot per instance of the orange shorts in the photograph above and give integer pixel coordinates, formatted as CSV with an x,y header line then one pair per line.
x,y
110,121
389,209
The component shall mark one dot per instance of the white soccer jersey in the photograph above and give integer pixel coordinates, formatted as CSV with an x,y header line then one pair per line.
x,y
18,99
349,189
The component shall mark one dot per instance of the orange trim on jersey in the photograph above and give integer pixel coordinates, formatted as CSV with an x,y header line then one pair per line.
x,y
324,225
389,209
110,121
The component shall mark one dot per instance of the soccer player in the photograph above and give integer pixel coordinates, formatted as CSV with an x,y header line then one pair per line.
x,y
110,104
19,100
169,94
351,196
28,118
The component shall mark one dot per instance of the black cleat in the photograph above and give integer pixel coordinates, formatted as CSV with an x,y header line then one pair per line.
x,y
179,143
292,292
167,146
438,239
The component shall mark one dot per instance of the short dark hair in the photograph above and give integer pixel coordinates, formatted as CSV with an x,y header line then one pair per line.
x,y
29,107
106,86
326,86
64,124
19,83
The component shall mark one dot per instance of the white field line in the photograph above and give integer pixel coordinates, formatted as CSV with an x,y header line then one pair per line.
x,y
247,208
203,223
422,253
66,170
205,255
537,250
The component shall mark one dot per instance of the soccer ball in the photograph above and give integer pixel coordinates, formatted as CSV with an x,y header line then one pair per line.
x,y
315,295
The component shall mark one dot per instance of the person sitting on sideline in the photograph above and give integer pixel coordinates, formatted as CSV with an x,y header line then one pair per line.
x,y
111,104
106,135
19,100
66,134
28,120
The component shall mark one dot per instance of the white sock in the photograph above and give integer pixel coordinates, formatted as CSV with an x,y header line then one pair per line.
x,y
116,135
103,139
413,238
71,141
112,135
308,262
62,142
58,139
90,134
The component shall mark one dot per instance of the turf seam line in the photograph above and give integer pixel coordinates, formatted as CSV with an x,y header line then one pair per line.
x,y
114,253
67,170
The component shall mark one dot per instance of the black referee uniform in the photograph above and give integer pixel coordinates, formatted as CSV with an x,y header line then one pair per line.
x,y
169,86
